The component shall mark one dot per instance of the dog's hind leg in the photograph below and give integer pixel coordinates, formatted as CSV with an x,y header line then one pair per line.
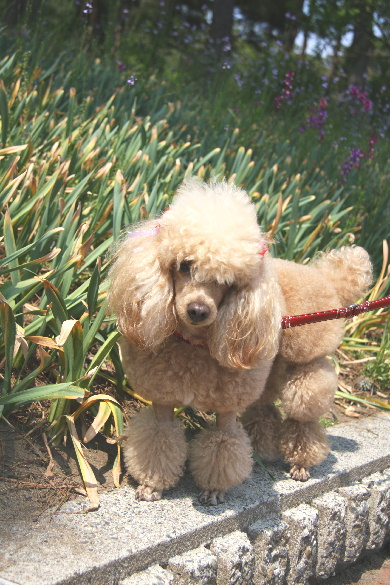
x,y
155,451
220,458
307,394
303,444
262,423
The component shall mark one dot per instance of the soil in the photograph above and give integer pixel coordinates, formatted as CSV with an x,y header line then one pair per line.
x,y
35,476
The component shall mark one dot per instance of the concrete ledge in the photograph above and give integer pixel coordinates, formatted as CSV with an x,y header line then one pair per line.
x,y
269,532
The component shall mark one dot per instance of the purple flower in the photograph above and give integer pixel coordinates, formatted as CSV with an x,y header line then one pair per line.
x,y
227,47
360,96
287,93
238,79
88,7
365,101
354,91
289,16
354,161
132,79
318,119
24,32
371,145
325,81
278,102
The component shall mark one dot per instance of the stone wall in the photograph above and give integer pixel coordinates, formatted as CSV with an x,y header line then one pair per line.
x,y
309,542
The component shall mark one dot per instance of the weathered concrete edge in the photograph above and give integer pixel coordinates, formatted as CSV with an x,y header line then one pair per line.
x,y
5,582
290,496
162,553
343,479
307,543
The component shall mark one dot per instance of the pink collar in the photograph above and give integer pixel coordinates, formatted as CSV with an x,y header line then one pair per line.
x,y
204,345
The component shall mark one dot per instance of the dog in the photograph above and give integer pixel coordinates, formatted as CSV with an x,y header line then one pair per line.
x,y
199,302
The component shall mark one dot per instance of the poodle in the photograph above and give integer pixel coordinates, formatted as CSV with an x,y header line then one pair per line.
x,y
199,302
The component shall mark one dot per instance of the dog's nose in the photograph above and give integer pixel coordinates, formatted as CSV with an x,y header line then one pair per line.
x,y
198,312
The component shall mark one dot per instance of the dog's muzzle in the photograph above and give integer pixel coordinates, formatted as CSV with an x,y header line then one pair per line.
x,y
198,312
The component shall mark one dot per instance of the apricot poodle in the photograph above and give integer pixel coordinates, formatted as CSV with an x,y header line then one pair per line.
x,y
199,301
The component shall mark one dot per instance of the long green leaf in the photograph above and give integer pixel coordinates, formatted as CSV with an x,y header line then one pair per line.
x,y
18,253
102,354
95,326
10,247
49,392
58,304
9,336
30,263
367,401
3,114
93,290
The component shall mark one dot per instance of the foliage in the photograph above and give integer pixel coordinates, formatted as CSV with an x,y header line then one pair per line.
x,y
379,369
368,335
154,32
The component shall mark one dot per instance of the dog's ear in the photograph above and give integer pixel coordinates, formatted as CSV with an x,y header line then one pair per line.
x,y
141,289
247,327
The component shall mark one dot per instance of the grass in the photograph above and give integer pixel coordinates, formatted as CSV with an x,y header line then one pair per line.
x,y
88,149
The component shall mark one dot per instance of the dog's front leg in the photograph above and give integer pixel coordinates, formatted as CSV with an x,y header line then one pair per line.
x,y
155,450
220,458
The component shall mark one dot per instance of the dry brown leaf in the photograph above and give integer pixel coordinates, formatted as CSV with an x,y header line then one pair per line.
x,y
350,411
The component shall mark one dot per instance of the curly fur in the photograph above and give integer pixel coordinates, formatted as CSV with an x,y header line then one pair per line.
x,y
220,459
197,271
263,424
351,262
155,451
308,389
303,444
141,293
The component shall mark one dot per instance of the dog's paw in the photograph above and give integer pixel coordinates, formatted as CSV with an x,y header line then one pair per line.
x,y
147,494
299,473
212,497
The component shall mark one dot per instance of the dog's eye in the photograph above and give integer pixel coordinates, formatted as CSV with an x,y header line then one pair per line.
x,y
185,267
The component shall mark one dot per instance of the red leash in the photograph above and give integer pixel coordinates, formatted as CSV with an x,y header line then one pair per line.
x,y
345,313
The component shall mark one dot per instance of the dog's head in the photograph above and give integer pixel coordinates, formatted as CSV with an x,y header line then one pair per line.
x,y
201,269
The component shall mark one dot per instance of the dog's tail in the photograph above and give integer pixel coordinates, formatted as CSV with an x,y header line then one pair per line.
x,y
349,270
